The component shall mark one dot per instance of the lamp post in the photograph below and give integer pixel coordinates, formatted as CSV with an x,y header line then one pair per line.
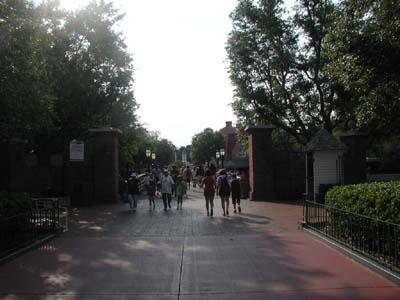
x,y
222,152
153,157
148,154
217,156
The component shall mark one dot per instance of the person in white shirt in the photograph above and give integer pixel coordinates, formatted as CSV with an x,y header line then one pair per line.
x,y
166,188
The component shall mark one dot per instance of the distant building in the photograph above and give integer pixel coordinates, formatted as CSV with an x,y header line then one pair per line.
x,y
234,154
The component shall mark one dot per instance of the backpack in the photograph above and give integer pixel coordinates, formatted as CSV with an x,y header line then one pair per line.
x,y
224,189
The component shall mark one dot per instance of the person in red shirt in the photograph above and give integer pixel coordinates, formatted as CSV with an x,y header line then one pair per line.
x,y
208,185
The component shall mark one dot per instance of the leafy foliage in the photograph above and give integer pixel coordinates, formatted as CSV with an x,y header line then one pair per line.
x,y
133,148
376,200
364,49
165,152
62,73
205,144
92,71
26,106
14,203
277,63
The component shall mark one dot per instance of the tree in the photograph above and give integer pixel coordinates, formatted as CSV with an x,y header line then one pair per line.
x,y
165,152
277,66
62,73
26,107
134,144
92,71
205,144
364,48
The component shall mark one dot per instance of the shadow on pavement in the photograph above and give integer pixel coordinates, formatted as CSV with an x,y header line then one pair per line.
x,y
110,253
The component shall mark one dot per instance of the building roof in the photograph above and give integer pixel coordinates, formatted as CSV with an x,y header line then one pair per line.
x,y
228,129
323,140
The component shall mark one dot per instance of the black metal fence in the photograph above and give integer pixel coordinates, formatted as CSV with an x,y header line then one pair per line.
x,y
377,240
24,229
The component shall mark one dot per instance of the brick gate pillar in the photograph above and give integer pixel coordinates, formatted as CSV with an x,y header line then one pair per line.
x,y
261,164
104,165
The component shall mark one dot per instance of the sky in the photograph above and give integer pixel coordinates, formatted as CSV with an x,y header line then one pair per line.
x,y
181,71
181,79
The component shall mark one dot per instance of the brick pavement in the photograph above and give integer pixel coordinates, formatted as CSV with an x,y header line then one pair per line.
x,y
110,253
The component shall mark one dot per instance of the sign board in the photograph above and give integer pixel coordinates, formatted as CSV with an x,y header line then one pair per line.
x,y
76,150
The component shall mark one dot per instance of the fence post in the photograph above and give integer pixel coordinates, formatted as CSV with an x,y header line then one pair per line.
x,y
306,208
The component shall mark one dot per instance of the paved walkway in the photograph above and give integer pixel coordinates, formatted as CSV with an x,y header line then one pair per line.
x,y
110,253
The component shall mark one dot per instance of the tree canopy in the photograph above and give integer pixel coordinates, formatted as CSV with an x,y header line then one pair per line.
x,y
205,144
276,66
26,98
364,50
64,72
93,72
326,63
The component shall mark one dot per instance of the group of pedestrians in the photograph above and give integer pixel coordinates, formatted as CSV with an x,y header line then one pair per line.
x,y
170,186
167,186
176,183
224,186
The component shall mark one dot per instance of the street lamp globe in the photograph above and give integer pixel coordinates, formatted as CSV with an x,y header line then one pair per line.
x,y
148,153
153,156
222,151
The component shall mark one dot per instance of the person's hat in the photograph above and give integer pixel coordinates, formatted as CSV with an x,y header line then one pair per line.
x,y
222,172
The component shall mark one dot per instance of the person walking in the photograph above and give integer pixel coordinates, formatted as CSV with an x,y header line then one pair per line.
x,y
151,191
180,190
213,169
199,175
236,192
208,184
187,176
133,190
174,174
224,190
166,188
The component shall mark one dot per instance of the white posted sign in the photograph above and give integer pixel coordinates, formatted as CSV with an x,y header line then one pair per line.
x,y
76,150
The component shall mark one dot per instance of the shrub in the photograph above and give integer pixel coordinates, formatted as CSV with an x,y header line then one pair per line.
x,y
14,203
378,200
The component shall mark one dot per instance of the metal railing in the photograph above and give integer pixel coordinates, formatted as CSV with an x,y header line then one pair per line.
x,y
375,239
19,231
140,179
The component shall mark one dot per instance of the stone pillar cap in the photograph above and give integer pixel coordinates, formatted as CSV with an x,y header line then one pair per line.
x,y
105,130
353,132
259,127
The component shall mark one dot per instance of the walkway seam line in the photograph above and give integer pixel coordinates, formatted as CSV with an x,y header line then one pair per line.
x,y
181,269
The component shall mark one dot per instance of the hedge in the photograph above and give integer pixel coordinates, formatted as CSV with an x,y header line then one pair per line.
x,y
378,200
14,203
